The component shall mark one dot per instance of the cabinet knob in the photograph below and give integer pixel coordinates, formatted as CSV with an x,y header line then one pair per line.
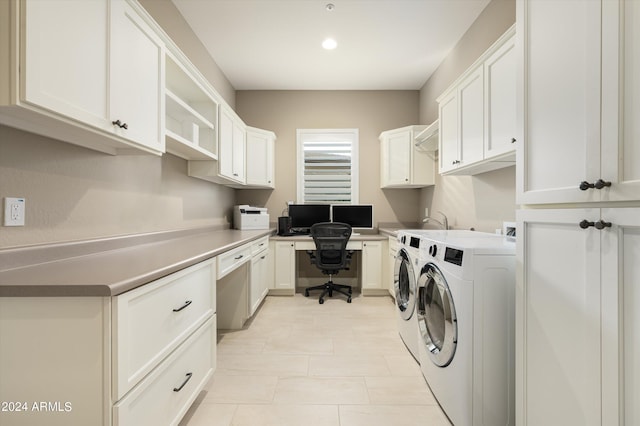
x,y
120,124
455,162
513,140
584,185
584,224
601,224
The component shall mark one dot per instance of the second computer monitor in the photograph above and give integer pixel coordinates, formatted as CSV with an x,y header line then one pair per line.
x,y
359,216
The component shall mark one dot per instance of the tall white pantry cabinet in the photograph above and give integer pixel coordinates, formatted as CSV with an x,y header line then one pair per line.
x,y
578,184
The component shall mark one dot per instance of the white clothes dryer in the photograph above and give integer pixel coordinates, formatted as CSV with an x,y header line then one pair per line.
x,y
404,284
465,311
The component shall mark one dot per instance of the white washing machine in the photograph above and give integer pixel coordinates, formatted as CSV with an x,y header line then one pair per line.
x,y
404,283
465,311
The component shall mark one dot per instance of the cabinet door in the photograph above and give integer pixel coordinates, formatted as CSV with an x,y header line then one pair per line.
x,y
137,78
621,317
285,263
372,264
259,158
448,109
232,146
559,108
239,144
225,156
63,71
398,147
500,101
471,118
558,318
620,100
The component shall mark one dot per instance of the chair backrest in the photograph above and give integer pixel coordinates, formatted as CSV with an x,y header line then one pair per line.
x,y
331,240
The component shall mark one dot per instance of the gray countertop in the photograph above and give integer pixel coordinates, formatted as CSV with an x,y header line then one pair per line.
x,y
115,269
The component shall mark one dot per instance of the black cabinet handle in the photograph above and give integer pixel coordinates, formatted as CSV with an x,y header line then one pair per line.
x,y
189,376
513,140
239,257
120,124
600,225
599,184
187,303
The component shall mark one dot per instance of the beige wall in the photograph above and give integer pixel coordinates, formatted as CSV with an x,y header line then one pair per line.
x,y
482,201
73,193
369,111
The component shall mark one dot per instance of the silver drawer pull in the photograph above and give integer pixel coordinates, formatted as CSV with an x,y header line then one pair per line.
x,y
187,303
239,257
189,375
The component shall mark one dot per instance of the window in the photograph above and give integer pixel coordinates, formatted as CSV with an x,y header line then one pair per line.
x,y
328,166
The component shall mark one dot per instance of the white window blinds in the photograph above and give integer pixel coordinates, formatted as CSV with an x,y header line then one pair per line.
x,y
327,166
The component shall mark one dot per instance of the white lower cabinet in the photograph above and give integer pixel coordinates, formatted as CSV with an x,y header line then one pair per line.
x,y
285,266
259,279
151,321
371,265
577,304
164,396
110,361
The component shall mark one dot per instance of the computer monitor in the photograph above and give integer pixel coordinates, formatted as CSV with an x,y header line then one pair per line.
x,y
359,216
303,216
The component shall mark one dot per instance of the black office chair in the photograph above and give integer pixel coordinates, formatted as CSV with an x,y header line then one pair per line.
x,y
331,256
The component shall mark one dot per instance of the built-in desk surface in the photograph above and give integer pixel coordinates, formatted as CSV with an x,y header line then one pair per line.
x,y
111,266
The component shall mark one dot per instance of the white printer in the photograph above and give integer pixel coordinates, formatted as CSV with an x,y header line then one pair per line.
x,y
246,217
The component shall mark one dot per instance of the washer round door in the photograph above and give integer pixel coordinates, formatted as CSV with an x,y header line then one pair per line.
x,y
437,316
404,284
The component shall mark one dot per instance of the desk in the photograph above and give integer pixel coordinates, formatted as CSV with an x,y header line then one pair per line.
x,y
371,275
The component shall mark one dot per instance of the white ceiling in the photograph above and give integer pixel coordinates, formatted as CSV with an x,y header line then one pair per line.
x,y
382,44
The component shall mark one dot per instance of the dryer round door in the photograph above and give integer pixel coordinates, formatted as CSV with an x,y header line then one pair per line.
x,y
437,319
404,284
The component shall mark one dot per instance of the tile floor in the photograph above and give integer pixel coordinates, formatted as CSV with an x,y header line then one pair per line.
x,y
301,363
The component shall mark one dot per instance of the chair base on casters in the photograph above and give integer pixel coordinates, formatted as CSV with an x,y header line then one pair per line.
x,y
329,288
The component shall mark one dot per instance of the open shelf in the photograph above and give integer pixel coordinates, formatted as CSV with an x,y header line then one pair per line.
x,y
191,114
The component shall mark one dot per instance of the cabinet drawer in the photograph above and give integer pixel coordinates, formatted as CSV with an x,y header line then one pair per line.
x,y
230,260
151,321
164,396
259,246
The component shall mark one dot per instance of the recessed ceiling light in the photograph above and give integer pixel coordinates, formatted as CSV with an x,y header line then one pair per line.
x,y
330,7
329,44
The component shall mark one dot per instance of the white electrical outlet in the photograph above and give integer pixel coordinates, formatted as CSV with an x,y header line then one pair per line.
x,y
14,209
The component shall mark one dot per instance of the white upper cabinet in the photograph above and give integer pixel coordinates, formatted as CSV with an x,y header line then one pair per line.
x,y
500,101
62,71
231,161
260,158
402,165
86,72
136,78
578,106
462,113
477,114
